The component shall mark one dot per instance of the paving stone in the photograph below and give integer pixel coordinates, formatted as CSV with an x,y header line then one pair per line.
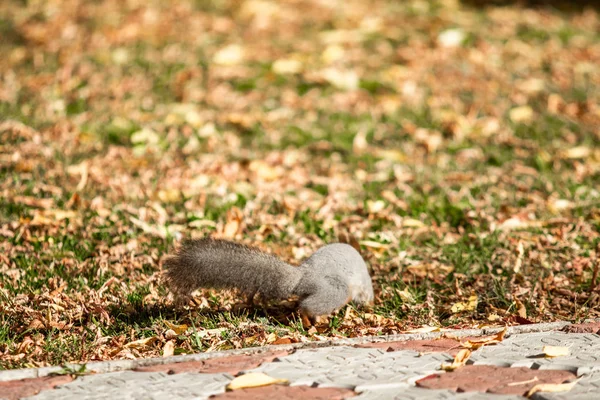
x,y
589,327
231,365
12,390
139,385
414,393
526,351
489,378
447,345
353,368
280,392
587,388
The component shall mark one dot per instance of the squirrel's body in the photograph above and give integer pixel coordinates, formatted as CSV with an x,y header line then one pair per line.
x,y
326,281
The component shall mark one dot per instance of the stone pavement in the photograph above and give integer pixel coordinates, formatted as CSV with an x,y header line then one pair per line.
x,y
392,367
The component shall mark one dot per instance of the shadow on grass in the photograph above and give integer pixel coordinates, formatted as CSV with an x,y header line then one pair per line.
x,y
145,316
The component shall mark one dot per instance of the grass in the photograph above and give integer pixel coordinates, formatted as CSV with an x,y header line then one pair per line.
x,y
118,142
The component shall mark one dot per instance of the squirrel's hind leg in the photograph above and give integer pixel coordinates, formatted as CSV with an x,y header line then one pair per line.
x,y
249,298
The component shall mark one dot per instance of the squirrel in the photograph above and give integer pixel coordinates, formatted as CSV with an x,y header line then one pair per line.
x,y
333,276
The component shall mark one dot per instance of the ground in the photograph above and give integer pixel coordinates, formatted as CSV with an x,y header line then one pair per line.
x,y
455,144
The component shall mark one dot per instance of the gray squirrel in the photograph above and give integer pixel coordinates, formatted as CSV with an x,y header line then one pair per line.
x,y
333,276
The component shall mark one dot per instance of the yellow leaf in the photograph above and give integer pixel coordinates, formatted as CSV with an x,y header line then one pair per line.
x,y
341,78
577,152
169,195
406,295
141,343
521,114
460,359
375,206
494,317
412,223
465,306
555,351
551,387
286,66
229,55
253,379
373,245
179,329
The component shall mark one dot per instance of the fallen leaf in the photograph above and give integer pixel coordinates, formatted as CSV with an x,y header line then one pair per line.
x,y
229,55
286,66
406,296
577,152
179,329
254,379
470,305
141,343
233,224
412,223
424,329
342,79
521,114
474,344
555,351
551,387
169,349
451,38
519,262
521,310
373,245
460,359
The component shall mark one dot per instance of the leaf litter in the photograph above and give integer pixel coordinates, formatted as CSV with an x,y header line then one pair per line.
x,y
459,153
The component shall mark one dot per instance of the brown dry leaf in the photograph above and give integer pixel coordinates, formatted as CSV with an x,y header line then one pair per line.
x,y
474,344
36,324
285,340
520,254
555,351
551,388
254,379
521,310
460,359
25,345
51,217
233,224
34,202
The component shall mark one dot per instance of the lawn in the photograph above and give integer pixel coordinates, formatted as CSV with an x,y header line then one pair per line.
x,y
457,144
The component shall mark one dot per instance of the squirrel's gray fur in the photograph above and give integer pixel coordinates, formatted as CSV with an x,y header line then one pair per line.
x,y
326,281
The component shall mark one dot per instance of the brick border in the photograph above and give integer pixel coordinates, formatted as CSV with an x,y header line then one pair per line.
x,y
122,365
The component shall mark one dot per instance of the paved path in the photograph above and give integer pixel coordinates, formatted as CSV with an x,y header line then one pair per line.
x,y
366,369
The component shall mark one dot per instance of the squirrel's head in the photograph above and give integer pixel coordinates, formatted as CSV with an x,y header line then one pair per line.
x,y
363,295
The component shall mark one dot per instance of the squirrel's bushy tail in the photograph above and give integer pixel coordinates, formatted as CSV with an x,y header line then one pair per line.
x,y
221,264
